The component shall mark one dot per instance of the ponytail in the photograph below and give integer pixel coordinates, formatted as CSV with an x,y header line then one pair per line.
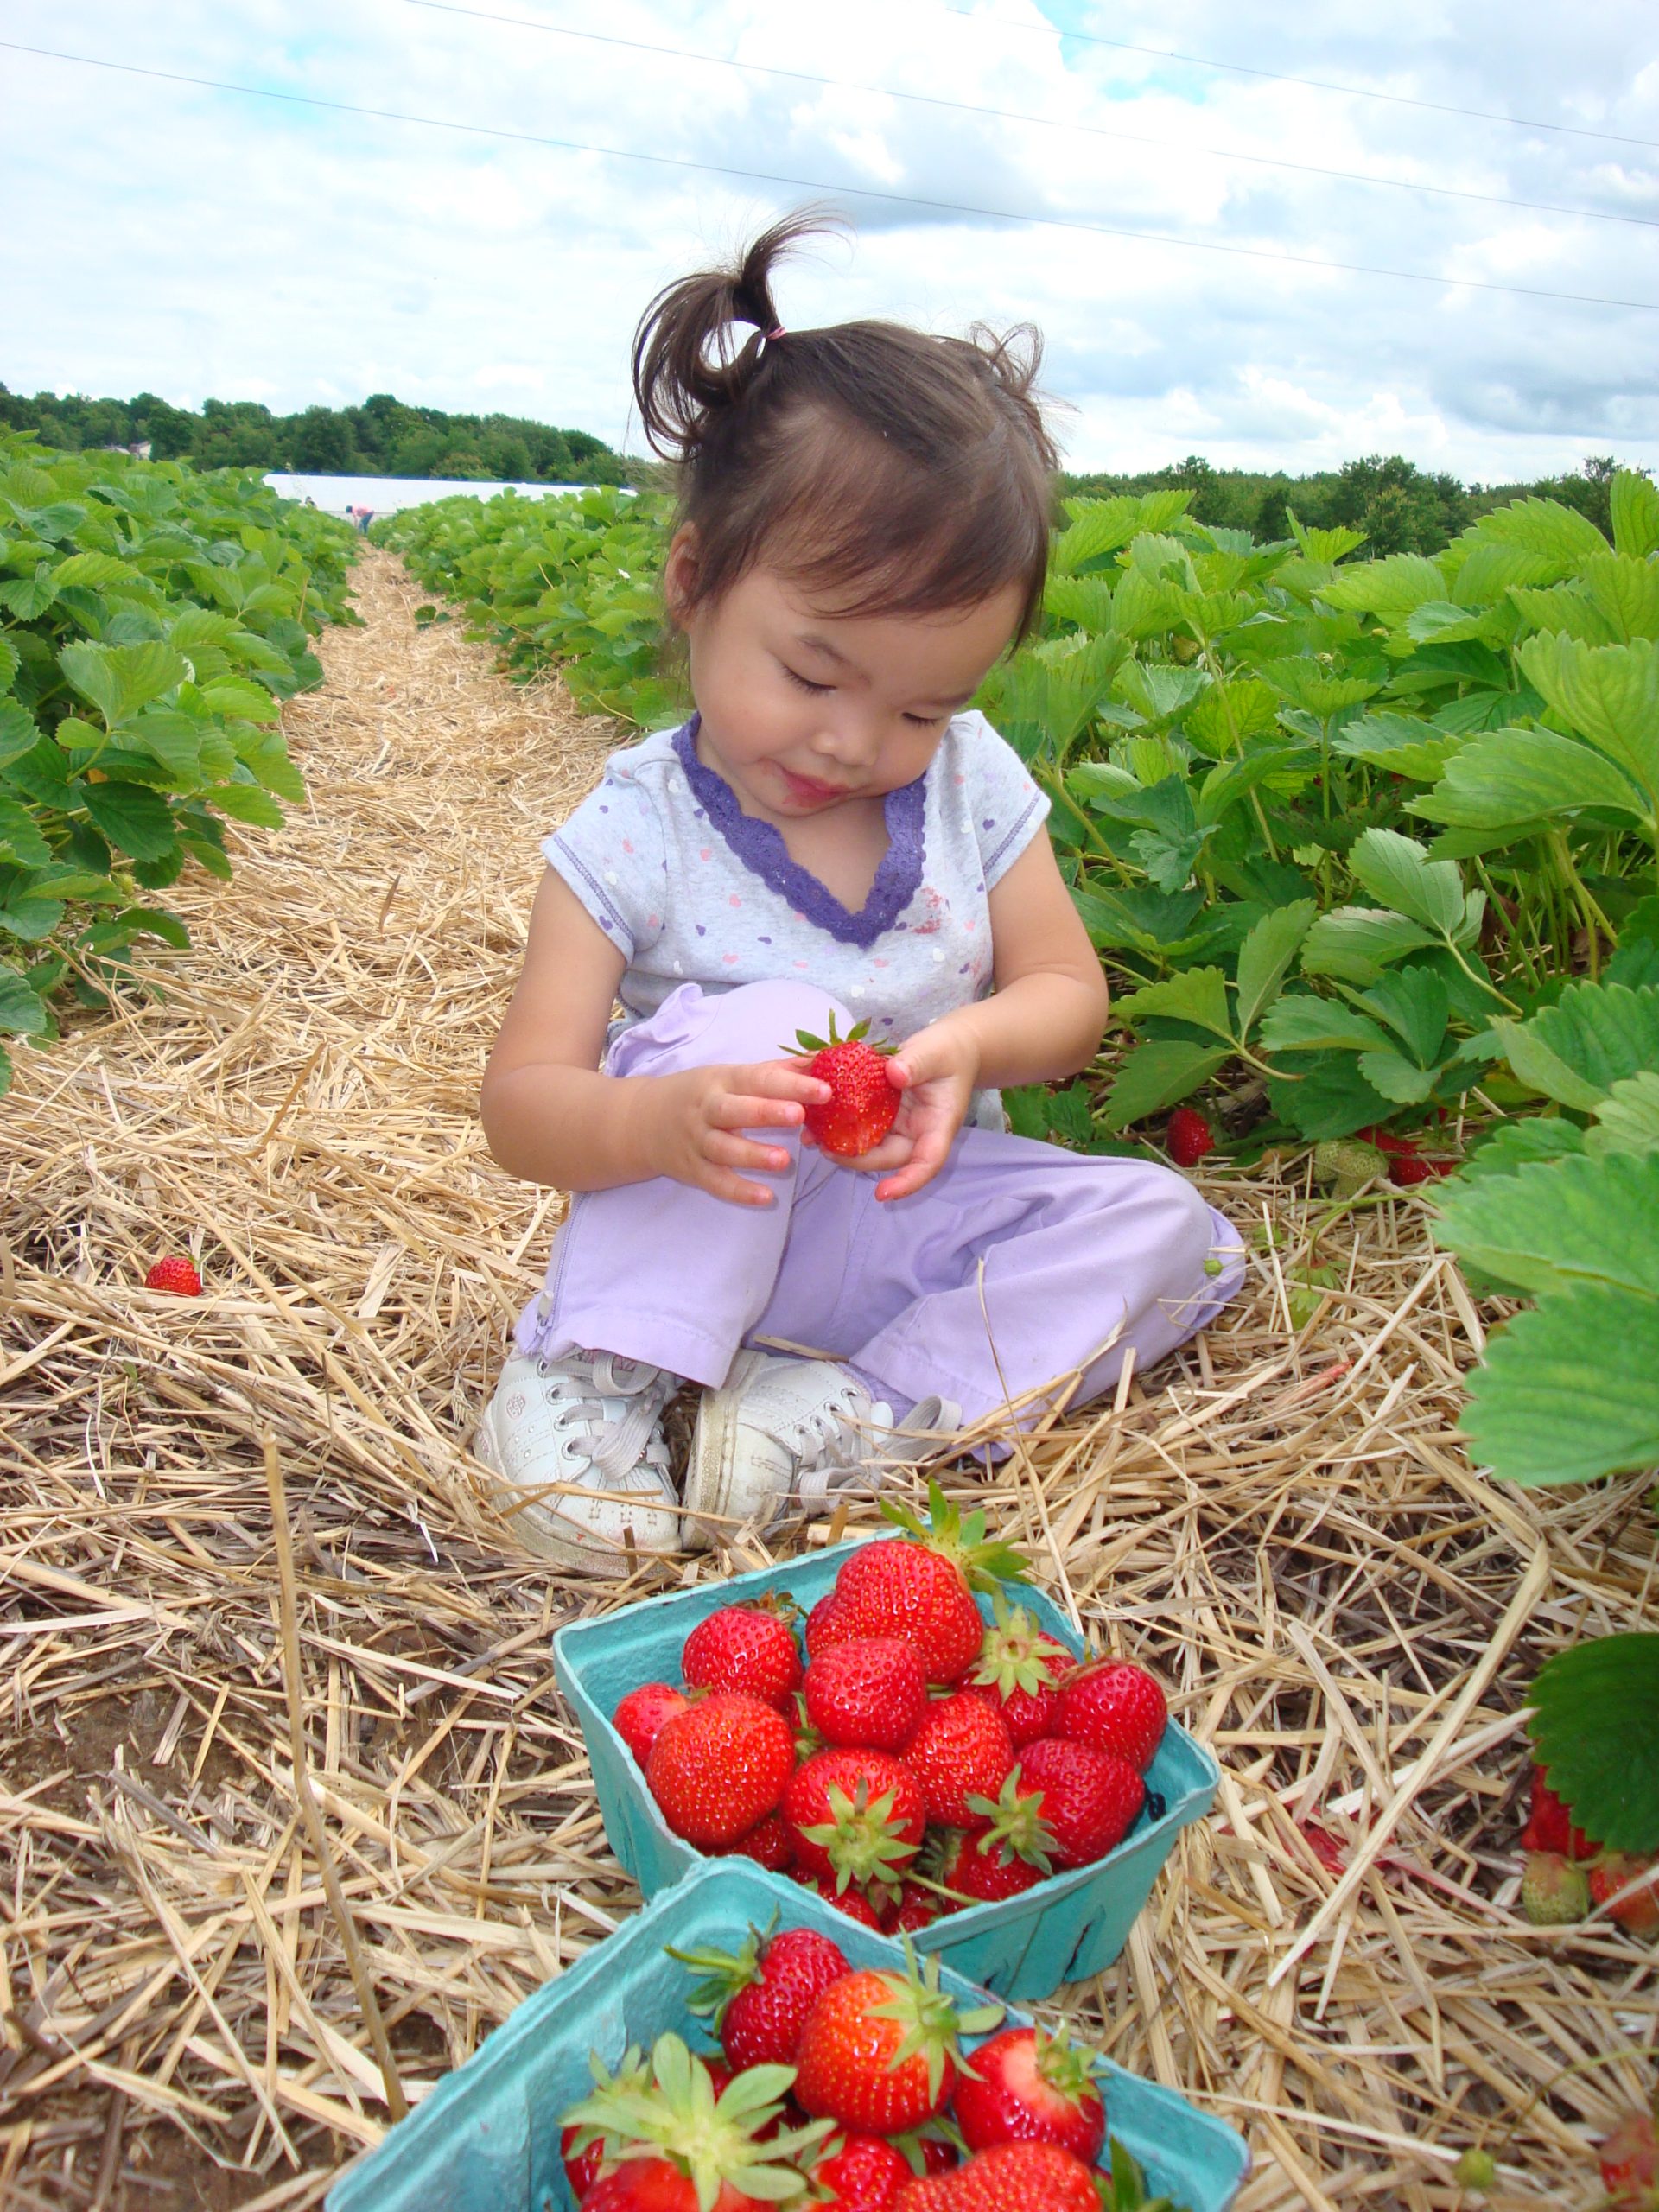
x,y
687,361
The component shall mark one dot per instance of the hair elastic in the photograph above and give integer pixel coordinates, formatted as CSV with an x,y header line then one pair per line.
x,y
778,332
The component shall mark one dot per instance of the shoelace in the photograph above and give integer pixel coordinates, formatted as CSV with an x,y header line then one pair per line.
x,y
616,1455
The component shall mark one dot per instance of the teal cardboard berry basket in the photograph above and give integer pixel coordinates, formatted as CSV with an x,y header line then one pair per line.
x,y
1064,1930
486,2140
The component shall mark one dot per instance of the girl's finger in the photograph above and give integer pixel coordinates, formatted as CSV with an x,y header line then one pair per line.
x,y
782,1079
730,1150
732,1110
735,1188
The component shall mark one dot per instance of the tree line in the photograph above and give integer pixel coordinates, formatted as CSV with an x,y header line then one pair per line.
x,y
382,437
1400,507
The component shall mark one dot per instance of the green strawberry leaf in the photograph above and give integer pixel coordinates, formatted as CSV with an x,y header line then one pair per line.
x,y
1569,1392
1158,1074
1595,1730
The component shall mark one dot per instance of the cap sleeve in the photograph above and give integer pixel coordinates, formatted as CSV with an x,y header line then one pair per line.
x,y
612,853
1008,808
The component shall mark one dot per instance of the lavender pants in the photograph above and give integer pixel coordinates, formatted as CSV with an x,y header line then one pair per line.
x,y
1082,1258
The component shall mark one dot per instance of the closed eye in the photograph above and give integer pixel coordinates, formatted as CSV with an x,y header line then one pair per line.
x,y
806,683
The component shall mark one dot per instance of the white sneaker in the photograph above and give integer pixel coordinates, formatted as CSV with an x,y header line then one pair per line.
x,y
784,1436
591,1426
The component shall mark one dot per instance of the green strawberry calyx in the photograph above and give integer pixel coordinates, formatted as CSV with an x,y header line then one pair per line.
x,y
858,1034
1016,1828
726,1973
631,2075
862,1840
984,1561
1064,2066
713,2141
932,2026
1016,1653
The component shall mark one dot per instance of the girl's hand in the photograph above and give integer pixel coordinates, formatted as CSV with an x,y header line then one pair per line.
x,y
935,1071
698,1118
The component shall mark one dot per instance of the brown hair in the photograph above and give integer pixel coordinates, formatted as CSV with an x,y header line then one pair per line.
x,y
895,473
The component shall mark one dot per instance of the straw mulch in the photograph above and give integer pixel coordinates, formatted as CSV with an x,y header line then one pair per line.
x,y
1281,1522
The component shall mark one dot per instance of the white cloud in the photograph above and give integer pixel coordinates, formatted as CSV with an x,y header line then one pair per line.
x,y
194,242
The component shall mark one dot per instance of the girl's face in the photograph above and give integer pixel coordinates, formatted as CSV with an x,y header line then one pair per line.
x,y
804,712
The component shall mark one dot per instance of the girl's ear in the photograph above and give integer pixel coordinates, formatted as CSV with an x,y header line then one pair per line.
x,y
680,575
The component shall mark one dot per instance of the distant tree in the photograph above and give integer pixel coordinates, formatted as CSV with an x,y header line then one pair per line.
x,y
320,440
171,431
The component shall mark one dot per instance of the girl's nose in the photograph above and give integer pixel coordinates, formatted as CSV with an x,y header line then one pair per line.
x,y
853,743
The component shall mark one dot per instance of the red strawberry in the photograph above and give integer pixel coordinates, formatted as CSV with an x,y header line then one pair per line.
x,y
1549,1824
1630,2164
927,2193
746,1648
916,1908
1017,2176
1554,1891
1030,2087
849,2068
1021,1667
920,1586
866,2175
854,1816
852,1901
1116,1706
1087,1800
821,1631
862,1101
984,1869
1188,1137
719,1767
175,1275
769,1843
901,1590
869,1692
961,1750
1408,1169
638,1720
1639,1911
757,1999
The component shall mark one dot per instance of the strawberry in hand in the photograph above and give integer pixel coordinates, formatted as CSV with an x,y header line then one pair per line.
x,y
862,1101
894,1113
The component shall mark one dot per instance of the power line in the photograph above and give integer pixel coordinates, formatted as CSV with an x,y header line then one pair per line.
x,y
819,185
1308,84
1014,115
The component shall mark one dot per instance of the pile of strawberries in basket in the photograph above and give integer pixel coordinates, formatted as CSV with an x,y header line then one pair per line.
x,y
919,1760
842,2086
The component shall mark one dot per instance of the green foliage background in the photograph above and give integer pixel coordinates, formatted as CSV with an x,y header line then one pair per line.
x,y
151,623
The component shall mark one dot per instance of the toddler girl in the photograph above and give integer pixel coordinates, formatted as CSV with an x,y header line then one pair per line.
x,y
862,531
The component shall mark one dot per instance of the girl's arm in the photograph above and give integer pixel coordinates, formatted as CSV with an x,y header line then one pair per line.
x,y
550,1117
1043,1020
1048,1013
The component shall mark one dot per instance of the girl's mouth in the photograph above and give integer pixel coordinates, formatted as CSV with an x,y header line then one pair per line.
x,y
807,791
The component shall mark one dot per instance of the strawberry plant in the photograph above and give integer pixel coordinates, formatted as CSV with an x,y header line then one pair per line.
x,y
151,624
575,580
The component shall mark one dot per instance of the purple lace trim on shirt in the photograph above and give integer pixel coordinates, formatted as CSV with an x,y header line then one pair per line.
x,y
759,845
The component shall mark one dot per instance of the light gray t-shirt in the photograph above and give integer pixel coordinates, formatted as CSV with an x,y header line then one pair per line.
x,y
692,890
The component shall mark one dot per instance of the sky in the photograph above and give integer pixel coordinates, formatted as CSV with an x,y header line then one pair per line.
x,y
194,241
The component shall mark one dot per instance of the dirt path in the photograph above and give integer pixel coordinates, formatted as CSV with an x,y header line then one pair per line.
x,y
1281,1522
